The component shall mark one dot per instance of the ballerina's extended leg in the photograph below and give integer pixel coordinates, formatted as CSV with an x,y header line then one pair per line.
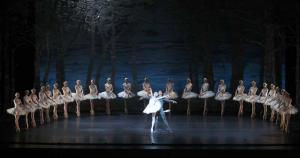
x,y
17,123
55,116
92,108
222,108
253,110
47,114
66,110
26,119
265,112
153,122
205,108
33,120
188,112
78,108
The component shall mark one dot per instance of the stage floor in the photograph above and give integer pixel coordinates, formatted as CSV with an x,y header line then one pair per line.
x,y
132,131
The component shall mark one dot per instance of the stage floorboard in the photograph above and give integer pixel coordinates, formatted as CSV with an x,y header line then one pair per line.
x,y
133,131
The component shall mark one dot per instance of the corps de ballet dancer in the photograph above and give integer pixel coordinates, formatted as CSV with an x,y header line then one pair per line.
x,y
126,93
78,96
49,100
108,94
188,95
252,98
30,106
18,110
205,94
263,95
170,92
273,102
42,103
67,98
240,96
156,104
35,103
222,95
271,97
146,93
57,97
92,96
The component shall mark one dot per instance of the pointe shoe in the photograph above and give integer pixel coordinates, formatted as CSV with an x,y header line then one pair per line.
x,y
42,122
151,130
78,114
33,124
126,111
18,130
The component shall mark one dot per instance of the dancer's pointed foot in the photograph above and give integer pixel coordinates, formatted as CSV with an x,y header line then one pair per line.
x,y
92,112
18,130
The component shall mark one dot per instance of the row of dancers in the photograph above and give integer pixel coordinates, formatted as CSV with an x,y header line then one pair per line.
x,y
278,101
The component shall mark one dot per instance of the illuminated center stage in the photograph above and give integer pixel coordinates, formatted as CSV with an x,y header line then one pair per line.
x,y
132,131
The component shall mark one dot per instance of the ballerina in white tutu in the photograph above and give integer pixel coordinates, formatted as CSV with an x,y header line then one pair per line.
x,y
67,98
205,93
35,105
29,106
57,97
240,97
276,99
252,98
263,95
222,95
108,94
18,111
78,96
146,93
49,101
170,92
92,96
42,103
126,93
287,111
188,94
156,104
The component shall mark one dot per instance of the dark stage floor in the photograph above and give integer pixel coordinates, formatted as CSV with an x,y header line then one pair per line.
x,y
132,131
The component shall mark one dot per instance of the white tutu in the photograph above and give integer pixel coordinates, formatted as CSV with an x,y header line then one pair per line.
x,y
91,97
269,100
59,100
106,95
44,104
251,98
240,97
171,95
125,95
262,100
21,111
292,110
67,98
207,94
143,94
77,97
153,106
223,96
189,95
31,107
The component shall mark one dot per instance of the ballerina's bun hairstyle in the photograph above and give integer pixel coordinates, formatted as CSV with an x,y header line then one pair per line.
x,y
17,93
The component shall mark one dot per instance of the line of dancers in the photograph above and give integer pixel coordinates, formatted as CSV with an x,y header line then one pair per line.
x,y
278,101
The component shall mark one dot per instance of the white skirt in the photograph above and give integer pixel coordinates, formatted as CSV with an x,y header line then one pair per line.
x,y
292,110
59,100
106,95
189,95
143,94
125,95
31,108
240,97
44,104
91,97
67,99
251,98
171,95
77,97
207,94
223,96
262,100
269,100
12,111
153,106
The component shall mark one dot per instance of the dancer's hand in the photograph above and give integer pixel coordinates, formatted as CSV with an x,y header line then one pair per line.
x,y
174,102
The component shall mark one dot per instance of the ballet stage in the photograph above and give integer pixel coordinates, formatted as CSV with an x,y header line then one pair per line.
x,y
120,131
